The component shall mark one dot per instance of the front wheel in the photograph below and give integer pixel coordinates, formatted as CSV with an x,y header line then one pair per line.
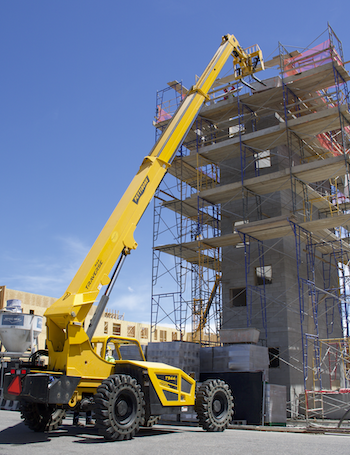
x,y
214,405
120,407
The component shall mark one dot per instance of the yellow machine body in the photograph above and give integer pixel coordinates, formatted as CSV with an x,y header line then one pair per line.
x,y
172,385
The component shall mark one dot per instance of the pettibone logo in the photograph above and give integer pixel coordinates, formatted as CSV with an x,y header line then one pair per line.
x,y
141,190
98,265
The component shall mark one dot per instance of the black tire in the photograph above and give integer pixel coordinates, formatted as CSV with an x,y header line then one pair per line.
x,y
120,407
40,417
152,420
214,405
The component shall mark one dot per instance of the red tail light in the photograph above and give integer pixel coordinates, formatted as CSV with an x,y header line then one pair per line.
x,y
15,388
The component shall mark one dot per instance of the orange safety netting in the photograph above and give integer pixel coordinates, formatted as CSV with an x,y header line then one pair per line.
x,y
313,58
162,114
317,56
329,144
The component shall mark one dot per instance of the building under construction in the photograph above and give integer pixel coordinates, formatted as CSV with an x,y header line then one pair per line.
x,y
251,223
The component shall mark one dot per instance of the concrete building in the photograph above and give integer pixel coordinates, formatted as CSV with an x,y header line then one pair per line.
x,y
260,196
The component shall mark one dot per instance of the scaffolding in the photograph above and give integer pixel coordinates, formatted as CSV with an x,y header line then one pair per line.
x,y
193,299
251,225
332,140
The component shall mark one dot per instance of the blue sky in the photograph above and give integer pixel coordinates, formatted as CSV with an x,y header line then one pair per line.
x,y
78,89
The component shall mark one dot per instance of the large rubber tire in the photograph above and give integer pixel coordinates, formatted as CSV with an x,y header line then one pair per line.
x,y
214,405
40,417
120,407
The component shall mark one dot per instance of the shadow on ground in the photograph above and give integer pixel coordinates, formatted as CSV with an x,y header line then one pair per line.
x,y
19,434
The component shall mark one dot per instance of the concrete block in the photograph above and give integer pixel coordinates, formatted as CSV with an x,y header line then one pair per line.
x,y
183,355
235,357
246,335
276,404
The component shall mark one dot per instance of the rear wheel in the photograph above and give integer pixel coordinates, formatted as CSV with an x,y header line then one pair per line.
x,y
120,407
40,417
214,405
152,420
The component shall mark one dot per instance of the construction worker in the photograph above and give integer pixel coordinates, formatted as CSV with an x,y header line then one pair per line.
x,y
88,420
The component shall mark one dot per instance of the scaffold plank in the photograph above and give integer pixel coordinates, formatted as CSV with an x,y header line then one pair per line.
x,y
306,127
190,174
268,229
301,84
314,171
192,254
189,211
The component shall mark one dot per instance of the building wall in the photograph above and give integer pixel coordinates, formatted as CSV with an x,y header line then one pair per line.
x,y
283,314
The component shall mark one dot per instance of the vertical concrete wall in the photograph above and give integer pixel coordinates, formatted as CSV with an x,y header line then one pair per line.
x,y
283,313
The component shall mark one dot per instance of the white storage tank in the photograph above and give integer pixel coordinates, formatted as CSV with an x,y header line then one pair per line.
x,y
18,331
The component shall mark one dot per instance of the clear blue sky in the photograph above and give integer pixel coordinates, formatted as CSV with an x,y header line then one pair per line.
x,y
78,86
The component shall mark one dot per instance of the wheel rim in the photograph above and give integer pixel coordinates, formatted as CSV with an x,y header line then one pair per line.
x,y
125,408
219,406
